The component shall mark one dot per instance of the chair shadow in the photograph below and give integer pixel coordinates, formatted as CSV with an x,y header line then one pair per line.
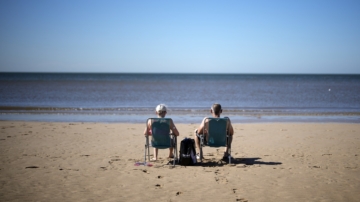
x,y
235,161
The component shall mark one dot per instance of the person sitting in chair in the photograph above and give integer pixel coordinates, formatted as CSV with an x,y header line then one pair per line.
x,y
215,112
160,111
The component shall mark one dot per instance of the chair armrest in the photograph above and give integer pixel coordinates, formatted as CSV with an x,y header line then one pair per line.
x,y
202,138
199,135
173,135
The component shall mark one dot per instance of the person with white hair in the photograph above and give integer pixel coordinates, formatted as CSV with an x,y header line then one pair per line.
x,y
161,111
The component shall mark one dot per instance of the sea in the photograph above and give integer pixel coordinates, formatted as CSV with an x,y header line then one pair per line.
x,y
132,98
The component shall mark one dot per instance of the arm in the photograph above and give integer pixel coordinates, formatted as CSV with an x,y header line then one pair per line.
x,y
230,127
200,130
174,129
148,128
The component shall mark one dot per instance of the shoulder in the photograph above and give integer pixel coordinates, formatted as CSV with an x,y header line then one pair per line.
x,y
149,122
205,120
229,122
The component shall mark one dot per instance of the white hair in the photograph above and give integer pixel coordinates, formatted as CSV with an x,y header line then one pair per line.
x,y
161,108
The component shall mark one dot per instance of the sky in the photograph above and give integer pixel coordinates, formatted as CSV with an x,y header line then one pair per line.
x,y
240,36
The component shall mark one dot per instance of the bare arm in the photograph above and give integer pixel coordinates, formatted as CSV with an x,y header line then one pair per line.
x,y
230,128
200,130
148,128
174,129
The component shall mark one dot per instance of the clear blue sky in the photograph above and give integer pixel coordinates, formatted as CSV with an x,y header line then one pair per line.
x,y
307,36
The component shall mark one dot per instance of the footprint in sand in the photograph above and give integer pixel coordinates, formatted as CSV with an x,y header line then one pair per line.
x,y
145,171
159,177
178,193
221,180
241,199
157,186
234,190
115,158
32,167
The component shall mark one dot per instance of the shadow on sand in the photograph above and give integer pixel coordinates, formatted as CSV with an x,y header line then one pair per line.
x,y
235,161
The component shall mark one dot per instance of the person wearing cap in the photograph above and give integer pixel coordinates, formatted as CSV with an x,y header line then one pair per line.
x,y
215,112
160,111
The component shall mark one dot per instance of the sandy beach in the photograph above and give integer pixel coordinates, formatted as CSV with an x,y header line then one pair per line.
x,y
51,161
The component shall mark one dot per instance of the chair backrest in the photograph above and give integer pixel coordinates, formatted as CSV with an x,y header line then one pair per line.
x,y
160,128
217,132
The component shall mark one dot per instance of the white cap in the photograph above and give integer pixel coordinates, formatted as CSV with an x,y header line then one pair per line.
x,y
161,108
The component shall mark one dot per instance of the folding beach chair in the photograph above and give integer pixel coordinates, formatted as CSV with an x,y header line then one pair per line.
x,y
217,135
161,138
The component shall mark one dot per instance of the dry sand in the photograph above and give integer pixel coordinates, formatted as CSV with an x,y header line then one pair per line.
x,y
95,162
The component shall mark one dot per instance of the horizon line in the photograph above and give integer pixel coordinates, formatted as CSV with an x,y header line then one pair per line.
x,y
165,73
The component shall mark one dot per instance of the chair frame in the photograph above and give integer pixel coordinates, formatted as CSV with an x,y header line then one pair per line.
x,y
148,145
203,144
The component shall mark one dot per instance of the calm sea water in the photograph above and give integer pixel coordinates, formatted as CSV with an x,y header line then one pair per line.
x,y
133,97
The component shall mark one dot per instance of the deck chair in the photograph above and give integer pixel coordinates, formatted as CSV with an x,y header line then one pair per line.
x,y
217,135
161,137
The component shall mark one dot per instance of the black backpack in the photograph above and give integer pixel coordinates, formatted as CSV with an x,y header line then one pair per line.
x,y
187,152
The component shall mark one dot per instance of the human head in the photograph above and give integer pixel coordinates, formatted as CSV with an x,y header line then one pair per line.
x,y
216,109
161,110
